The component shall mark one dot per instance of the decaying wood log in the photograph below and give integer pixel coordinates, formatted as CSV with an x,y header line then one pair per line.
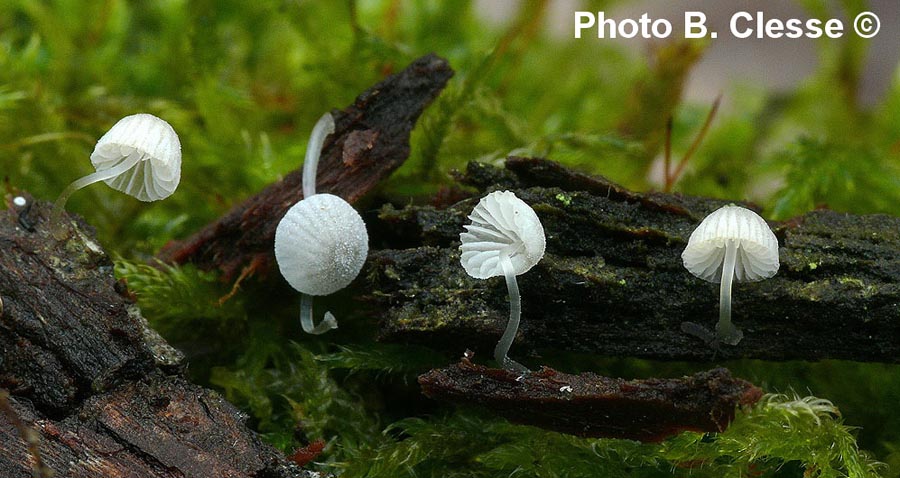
x,y
159,427
103,390
65,331
589,405
370,141
612,280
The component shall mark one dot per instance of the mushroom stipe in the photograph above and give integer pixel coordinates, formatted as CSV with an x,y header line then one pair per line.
x,y
505,238
732,243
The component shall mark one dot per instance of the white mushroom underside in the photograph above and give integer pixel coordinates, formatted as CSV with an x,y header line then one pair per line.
x,y
148,180
158,170
321,244
757,254
501,224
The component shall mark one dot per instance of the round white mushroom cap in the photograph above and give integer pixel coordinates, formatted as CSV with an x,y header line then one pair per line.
x,y
757,255
501,223
158,150
321,244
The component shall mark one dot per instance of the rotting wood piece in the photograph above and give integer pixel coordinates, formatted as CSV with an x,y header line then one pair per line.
x,y
370,141
104,392
66,332
589,405
160,427
612,281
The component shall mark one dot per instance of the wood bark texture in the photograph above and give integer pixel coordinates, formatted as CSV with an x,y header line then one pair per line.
x,y
104,392
589,405
612,281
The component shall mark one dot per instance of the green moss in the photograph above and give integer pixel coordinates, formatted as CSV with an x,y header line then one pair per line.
x,y
778,433
589,268
392,273
852,281
177,299
864,289
813,291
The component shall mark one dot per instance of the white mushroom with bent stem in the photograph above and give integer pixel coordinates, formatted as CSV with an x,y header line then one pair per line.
x,y
732,243
139,156
506,238
321,243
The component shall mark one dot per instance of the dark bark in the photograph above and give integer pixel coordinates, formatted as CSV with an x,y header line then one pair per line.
x,y
589,405
370,141
103,390
66,331
612,281
159,427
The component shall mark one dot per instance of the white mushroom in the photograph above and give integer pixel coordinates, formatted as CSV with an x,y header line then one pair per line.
x,y
731,243
505,238
321,242
320,246
139,156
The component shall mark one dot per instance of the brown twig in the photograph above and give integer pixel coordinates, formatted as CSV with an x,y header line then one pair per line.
x,y
590,405
524,28
696,144
667,166
370,141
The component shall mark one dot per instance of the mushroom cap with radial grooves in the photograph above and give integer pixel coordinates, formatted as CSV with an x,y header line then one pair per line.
x,y
157,173
321,244
501,222
757,256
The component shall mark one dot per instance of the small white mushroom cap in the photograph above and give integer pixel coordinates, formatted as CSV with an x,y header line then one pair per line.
x,y
757,255
158,150
501,223
321,244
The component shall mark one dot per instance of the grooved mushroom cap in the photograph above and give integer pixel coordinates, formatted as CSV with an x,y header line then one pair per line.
x,y
321,244
158,171
501,223
757,255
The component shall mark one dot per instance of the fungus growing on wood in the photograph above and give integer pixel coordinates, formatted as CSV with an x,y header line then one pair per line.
x,y
505,238
321,242
732,243
139,156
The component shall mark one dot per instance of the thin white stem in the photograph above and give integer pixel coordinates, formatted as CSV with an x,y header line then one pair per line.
x,y
321,130
60,204
306,320
725,330
515,312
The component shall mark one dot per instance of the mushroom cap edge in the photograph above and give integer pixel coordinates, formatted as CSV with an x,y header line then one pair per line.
x,y
158,173
501,222
757,257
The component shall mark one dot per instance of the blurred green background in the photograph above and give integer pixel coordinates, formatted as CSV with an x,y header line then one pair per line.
x,y
243,83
